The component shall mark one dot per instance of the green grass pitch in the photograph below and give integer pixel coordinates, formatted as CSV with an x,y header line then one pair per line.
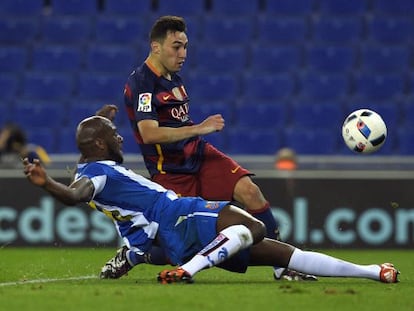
x,y
66,279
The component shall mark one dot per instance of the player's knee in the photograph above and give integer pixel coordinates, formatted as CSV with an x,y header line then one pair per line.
x,y
258,230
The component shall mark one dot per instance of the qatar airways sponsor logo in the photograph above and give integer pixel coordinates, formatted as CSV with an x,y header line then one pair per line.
x,y
180,112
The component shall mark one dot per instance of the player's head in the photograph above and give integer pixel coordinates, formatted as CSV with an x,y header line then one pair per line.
x,y
98,139
169,42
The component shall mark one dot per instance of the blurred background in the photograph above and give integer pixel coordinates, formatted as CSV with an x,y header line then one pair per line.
x,y
284,73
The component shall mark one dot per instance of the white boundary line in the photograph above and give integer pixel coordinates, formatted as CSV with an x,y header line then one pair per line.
x,y
77,278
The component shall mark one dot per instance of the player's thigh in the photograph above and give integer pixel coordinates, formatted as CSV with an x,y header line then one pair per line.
x,y
219,175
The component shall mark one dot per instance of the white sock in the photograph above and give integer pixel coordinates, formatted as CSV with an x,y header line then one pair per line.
x,y
324,265
228,242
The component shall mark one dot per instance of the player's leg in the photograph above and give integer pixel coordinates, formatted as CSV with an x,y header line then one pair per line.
x,y
222,178
237,230
117,266
271,252
125,259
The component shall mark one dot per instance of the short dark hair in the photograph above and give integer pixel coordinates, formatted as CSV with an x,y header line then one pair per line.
x,y
164,24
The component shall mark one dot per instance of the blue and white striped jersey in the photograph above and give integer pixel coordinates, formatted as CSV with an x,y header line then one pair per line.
x,y
129,199
143,210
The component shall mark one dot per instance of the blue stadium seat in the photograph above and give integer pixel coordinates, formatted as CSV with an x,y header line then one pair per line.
x,y
13,58
66,30
327,87
379,86
66,141
57,58
44,137
235,7
390,30
308,141
379,58
331,59
120,30
395,7
289,30
9,86
289,7
230,30
201,109
6,112
268,87
110,58
39,114
274,58
21,8
405,137
231,59
56,86
313,114
407,113
251,141
181,7
222,87
103,87
79,110
339,30
18,31
258,115
132,8
343,7
74,7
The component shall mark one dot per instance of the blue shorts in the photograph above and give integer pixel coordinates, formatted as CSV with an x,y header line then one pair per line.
x,y
188,225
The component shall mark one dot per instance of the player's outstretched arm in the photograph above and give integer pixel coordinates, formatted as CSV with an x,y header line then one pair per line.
x,y
79,191
152,133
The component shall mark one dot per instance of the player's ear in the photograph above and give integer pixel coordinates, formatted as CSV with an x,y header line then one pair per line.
x,y
155,47
100,143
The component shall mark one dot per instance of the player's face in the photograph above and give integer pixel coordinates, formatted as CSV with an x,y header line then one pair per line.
x,y
173,51
114,142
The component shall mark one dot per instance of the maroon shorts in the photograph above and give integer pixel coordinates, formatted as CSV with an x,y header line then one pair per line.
x,y
216,179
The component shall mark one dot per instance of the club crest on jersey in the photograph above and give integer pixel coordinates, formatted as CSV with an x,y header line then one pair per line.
x,y
212,205
144,102
177,93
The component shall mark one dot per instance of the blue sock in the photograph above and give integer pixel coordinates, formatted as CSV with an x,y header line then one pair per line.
x,y
266,216
154,256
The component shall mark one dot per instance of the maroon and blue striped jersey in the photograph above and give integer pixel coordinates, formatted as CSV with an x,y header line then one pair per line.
x,y
150,96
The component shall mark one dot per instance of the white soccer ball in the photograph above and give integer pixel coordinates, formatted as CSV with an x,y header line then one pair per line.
x,y
364,131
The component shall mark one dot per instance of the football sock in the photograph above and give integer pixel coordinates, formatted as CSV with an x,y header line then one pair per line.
x,y
265,215
324,265
154,256
228,242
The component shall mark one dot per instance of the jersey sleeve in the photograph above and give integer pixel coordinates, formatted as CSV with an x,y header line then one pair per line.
x,y
97,175
139,95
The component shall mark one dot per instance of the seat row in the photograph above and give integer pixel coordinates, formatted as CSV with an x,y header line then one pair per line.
x,y
201,7
233,59
210,29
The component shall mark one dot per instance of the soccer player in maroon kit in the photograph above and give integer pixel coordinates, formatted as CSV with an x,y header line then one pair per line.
x,y
174,150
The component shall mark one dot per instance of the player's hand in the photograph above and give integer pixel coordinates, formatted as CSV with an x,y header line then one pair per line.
x,y
34,172
108,111
213,123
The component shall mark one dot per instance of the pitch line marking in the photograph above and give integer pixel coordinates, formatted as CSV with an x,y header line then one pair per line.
x,y
76,278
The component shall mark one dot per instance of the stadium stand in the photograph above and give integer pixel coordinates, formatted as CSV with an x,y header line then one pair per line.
x,y
282,72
